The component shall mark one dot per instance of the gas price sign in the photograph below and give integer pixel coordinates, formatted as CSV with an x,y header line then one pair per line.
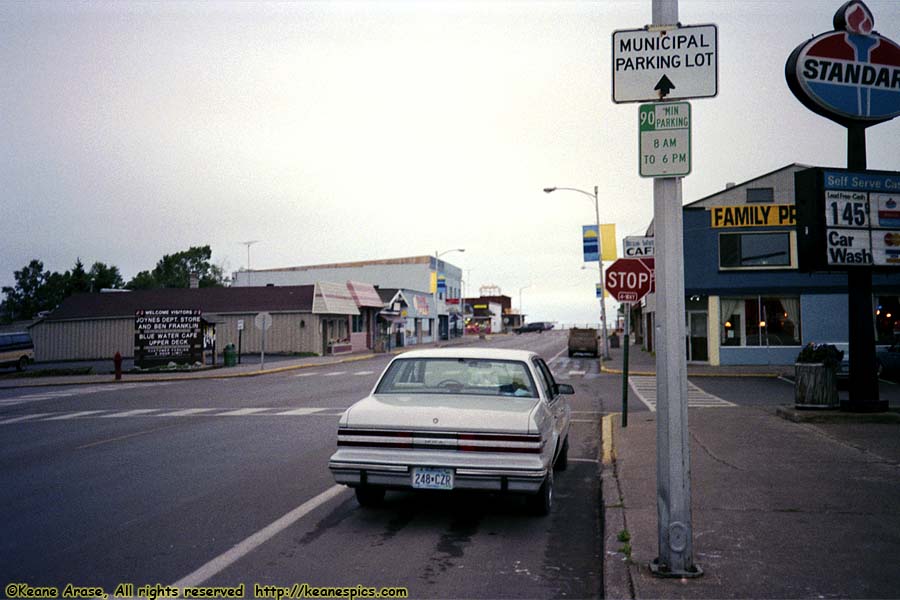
x,y
847,219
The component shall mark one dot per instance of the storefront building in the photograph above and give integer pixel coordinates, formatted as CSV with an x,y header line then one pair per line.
x,y
746,300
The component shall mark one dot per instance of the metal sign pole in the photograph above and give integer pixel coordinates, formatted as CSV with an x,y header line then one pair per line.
x,y
673,470
627,306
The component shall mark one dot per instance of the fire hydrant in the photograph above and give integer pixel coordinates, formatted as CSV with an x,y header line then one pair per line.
x,y
117,361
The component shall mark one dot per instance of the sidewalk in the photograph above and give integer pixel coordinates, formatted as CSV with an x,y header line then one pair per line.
x,y
251,368
779,509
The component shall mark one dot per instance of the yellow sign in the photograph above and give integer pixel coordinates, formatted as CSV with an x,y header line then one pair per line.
x,y
608,242
433,286
750,215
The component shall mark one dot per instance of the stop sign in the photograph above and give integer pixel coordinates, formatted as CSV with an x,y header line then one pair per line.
x,y
629,279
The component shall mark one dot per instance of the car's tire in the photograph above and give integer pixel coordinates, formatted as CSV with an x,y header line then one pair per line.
x,y
22,364
562,461
369,496
542,502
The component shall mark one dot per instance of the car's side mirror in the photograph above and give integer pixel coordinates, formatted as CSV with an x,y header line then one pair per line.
x,y
564,388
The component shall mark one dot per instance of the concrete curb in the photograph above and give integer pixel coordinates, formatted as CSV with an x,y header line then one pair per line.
x,y
795,415
653,374
617,578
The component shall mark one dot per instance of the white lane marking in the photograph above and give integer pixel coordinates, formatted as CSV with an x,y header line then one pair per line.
x,y
305,374
75,415
185,412
364,372
241,412
238,551
24,418
335,374
137,412
577,373
298,412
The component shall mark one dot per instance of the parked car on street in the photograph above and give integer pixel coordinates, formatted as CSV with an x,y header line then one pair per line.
x,y
888,361
448,419
539,326
16,350
582,341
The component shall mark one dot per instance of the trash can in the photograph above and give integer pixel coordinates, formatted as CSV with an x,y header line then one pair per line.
x,y
230,355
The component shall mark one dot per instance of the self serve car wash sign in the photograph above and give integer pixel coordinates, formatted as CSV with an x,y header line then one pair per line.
x,y
850,75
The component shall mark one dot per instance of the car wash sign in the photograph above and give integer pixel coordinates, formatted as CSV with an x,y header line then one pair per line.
x,y
850,75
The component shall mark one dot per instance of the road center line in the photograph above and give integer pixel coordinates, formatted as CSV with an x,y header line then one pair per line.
x,y
124,437
241,549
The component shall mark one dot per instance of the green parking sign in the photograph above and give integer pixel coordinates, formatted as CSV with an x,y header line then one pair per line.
x,y
664,131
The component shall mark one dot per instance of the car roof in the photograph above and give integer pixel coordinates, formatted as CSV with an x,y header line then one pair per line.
x,y
483,353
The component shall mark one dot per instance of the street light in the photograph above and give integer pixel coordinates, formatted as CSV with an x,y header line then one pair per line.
x,y
594,196
521,310
435,334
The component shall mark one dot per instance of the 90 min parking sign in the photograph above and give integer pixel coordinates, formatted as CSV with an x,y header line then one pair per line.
x,y
665,139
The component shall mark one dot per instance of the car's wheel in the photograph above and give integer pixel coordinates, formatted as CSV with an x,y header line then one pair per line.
x,y
541,503
562,461
369,496
23,362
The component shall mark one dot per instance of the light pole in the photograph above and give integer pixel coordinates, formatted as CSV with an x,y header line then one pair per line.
x,y
521,310
594,196
437,316
248,244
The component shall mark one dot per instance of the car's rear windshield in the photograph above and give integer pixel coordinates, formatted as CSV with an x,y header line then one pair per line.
x,y
468,376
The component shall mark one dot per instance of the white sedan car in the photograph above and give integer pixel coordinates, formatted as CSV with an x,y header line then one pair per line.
x,y
447,419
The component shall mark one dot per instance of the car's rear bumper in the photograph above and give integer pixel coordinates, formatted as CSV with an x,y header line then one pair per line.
x,y
394,469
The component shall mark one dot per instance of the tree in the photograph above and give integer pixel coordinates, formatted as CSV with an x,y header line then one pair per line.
x,y
174,271
79,280
105,277
36,290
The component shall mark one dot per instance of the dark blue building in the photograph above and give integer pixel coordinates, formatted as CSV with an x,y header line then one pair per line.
x,y
747,302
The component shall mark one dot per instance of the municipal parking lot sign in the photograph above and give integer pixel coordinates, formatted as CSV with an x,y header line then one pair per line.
x,y
665,63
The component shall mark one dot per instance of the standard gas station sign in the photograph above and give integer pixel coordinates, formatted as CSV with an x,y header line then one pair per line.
x,y
665,63
848,219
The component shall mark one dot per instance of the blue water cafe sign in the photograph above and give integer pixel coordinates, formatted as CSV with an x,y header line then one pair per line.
x,y
850,75
441,284
590,240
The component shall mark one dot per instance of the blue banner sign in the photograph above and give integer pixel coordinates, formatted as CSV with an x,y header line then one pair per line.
x,y
590,240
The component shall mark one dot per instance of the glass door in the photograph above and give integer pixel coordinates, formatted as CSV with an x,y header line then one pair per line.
x,y
697,337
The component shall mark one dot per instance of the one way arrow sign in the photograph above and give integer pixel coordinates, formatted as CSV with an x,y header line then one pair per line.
x,y
646,62
664,87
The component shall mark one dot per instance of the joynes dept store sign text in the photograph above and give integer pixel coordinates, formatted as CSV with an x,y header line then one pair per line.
x,y
749,215
671,63
167,335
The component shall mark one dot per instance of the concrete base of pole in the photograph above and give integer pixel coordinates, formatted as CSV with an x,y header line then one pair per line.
x,y
658,570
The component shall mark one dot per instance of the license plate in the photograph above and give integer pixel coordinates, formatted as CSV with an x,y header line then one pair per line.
x,y
427,478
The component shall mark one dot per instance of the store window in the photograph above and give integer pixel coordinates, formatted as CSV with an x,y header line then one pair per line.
x,y
757,195
760,321
755,250
887,319
358,323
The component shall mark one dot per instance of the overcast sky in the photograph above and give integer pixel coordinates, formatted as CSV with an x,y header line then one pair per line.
x,y
344,131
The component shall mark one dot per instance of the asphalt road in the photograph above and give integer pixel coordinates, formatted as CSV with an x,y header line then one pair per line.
x,y
218,482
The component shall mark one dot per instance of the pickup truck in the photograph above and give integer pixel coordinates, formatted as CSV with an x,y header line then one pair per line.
x,y
583,341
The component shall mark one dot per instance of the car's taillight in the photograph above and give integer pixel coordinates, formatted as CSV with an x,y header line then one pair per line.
x,y
491,442
467,442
